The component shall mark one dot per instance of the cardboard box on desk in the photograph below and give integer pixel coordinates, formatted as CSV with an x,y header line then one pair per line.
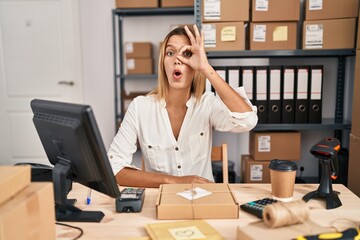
x,y
227,36
220,204
331,9
273,36
355,118
319,34
225,11
13,179
30,214
137,3
275,10
354,165
254,171
283,145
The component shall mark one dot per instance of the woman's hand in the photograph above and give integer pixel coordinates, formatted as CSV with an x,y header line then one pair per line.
x,y
194,55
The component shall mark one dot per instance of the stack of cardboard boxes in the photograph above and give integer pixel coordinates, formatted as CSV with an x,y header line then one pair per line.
x,y
153,3
139,58
26,209
354,154
330,24
274,25
264,147
223,23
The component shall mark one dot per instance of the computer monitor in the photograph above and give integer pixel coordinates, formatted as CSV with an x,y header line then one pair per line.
x,y
73,144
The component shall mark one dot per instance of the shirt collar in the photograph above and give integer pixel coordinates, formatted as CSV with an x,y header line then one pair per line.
x,y
189,102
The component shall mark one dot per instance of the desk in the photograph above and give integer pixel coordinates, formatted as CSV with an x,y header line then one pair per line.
x,y
122,225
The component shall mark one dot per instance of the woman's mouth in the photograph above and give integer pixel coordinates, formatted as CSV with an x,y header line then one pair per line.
x,y
177,74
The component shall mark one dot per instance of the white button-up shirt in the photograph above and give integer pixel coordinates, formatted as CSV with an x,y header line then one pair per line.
x,y
147,121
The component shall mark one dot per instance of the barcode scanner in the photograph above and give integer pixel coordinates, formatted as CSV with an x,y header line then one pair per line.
x,y
326,151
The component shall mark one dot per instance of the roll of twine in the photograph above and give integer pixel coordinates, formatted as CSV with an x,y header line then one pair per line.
x,y
283,214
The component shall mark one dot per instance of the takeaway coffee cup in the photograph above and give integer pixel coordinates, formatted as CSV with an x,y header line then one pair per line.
x,y
282,177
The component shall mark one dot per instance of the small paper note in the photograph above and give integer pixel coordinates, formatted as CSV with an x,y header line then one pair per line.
x,y
280,34
228,34
184,233
194,193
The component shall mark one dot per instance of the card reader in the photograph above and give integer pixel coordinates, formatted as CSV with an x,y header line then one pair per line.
x,y
130,200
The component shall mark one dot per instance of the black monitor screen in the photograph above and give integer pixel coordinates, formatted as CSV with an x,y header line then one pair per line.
x,y
73,144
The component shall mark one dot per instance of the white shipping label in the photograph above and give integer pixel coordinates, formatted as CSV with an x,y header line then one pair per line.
x,y
314,36
256,172
264,143
259,33
209,35
262,5
129,47
316,76
315,4
275,77
130,64
212,10
289,77
261,84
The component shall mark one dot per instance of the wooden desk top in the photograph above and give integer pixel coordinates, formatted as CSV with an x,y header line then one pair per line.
x,y
129,225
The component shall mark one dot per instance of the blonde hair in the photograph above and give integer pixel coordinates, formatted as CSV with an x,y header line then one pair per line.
x,y
161,90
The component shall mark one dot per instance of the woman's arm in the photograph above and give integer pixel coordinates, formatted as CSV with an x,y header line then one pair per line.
x,y
137,178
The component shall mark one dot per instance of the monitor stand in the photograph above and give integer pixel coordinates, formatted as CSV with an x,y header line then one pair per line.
x,y
64,208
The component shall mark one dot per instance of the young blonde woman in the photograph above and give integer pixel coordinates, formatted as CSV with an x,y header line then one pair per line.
x,y
173,124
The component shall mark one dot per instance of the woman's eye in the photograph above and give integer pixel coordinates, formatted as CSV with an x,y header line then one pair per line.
x,y
187,53
170,53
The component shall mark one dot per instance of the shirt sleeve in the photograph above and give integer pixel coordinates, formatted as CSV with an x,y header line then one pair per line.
x,y
225,120
124,145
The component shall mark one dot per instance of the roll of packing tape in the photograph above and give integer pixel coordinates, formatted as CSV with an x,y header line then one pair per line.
x,y
283,214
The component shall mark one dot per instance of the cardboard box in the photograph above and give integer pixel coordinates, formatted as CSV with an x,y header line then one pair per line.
x,y
275,10
140,66
138,50
355,122
177,3
225,11
354,165
220,204
280,145
254,171
329,34
358,35
137,3
13,179
229,36
331,9
30,214
273,36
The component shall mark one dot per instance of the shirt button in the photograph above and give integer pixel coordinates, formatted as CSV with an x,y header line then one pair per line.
x,y
179,166
201,134
176,149
149,146
111,156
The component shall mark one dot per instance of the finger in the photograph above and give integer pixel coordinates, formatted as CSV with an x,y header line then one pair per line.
x,y
190,35
197,33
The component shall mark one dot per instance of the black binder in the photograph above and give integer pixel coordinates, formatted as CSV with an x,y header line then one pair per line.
x,y
247,81
315,94
261,93
288,95
301,94
274,104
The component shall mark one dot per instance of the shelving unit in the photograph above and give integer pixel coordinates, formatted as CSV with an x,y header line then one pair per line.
x,y
118,16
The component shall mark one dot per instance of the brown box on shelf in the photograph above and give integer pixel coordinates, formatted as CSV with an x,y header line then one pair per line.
x,y
138,50
224,36
269,145
219,204
13,179
354,165
331,9
273,36
275,10
225,11
329,34
355,118
137,3
254,171
30,214
140,66
358,35
177,3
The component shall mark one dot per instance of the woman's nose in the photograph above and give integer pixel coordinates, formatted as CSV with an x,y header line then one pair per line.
x,y
177,62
